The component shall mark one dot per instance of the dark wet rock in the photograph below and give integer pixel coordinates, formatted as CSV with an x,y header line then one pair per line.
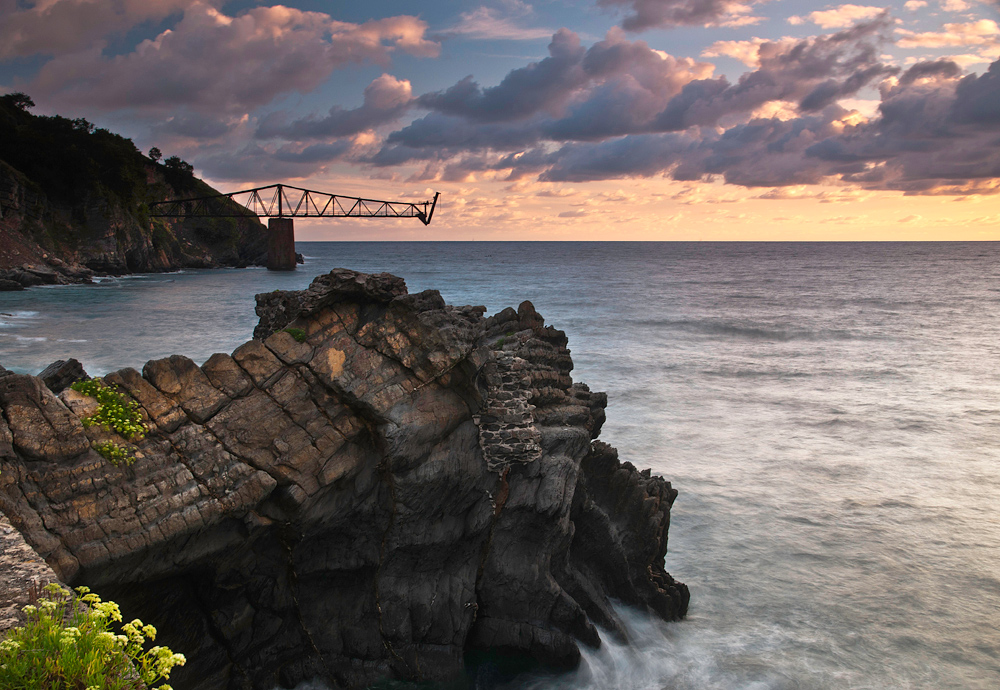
x,y
410,483
61,373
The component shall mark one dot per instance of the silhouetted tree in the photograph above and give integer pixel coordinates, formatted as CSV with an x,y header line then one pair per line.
x,y
155,154
81,124
19,100
175,163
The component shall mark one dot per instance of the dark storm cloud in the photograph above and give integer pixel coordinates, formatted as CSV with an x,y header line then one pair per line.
x,y
619,87
385,100
449,133
930,70
814,72
641,155
977,99
316,153
523,92
258,163
934,132
764,152
615,87
193,126
648,14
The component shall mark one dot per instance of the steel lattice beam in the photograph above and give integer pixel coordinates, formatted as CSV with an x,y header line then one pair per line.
x,y
284,201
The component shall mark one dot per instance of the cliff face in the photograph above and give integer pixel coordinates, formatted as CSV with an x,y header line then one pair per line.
x,y
95,230
73,199
411,482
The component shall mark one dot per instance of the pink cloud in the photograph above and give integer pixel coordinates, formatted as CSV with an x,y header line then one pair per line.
x,y
979,33
648,14
55,27
839,17
215,62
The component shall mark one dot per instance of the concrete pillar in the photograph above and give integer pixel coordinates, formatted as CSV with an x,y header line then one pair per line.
x,y
280,244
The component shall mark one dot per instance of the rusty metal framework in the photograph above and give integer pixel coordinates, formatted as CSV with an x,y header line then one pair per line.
x,y
284,201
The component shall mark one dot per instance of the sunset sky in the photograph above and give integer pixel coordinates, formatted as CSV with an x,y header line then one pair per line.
x,y
560,119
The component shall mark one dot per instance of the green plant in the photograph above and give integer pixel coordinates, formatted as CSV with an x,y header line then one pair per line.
x,y
498,345
297,333
114,453
67,643
114,413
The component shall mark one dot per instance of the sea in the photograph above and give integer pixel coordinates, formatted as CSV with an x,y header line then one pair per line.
x,y
829,413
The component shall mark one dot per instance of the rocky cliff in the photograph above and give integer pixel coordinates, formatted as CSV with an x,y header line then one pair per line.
x,y
70,239
74,200
385,487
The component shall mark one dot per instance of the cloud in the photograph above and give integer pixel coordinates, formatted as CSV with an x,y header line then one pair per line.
x,y
954,5
55,27
914,5
615,87
256,162
977,99
839,17
936,134
933,70
814,73
649,14
214,62
621,109
978,33
385,100
491,23
523,92
195,126
747,52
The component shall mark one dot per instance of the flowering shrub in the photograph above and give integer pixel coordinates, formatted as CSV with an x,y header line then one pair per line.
x,y
69,645
114,413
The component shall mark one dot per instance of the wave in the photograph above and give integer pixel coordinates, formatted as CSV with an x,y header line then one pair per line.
x,y
729,330
774,373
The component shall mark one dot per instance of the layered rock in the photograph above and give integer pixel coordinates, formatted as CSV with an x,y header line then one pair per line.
x,y
409,482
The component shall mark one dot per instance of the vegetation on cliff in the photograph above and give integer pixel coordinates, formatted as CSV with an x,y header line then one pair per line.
x,y
114,413
79,193
68,643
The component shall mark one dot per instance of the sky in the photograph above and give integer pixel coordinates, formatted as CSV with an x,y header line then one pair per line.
x,y
552,120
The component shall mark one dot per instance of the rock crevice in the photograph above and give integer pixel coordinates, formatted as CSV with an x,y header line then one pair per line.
x,y
410,482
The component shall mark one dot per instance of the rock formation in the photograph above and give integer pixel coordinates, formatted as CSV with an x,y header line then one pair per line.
x,y
49,239
373,487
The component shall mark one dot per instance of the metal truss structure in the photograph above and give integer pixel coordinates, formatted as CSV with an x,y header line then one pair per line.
x,y
284,201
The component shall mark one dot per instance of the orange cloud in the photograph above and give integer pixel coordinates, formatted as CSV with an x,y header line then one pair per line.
x,y
979,33
839,17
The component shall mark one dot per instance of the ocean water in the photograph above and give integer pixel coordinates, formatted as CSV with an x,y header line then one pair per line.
x,y
830,414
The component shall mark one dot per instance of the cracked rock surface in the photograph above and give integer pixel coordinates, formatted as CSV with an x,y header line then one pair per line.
x,y
409,482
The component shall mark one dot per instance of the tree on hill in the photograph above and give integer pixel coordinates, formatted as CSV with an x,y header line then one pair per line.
x,y
175,163
19,100
155,154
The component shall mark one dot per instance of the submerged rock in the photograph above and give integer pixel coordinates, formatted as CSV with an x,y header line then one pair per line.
x,y
388,485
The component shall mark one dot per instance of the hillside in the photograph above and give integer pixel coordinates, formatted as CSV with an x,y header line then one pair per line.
x,y
74,200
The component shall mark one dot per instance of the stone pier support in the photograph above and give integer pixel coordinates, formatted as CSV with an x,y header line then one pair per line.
x,y
281,244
